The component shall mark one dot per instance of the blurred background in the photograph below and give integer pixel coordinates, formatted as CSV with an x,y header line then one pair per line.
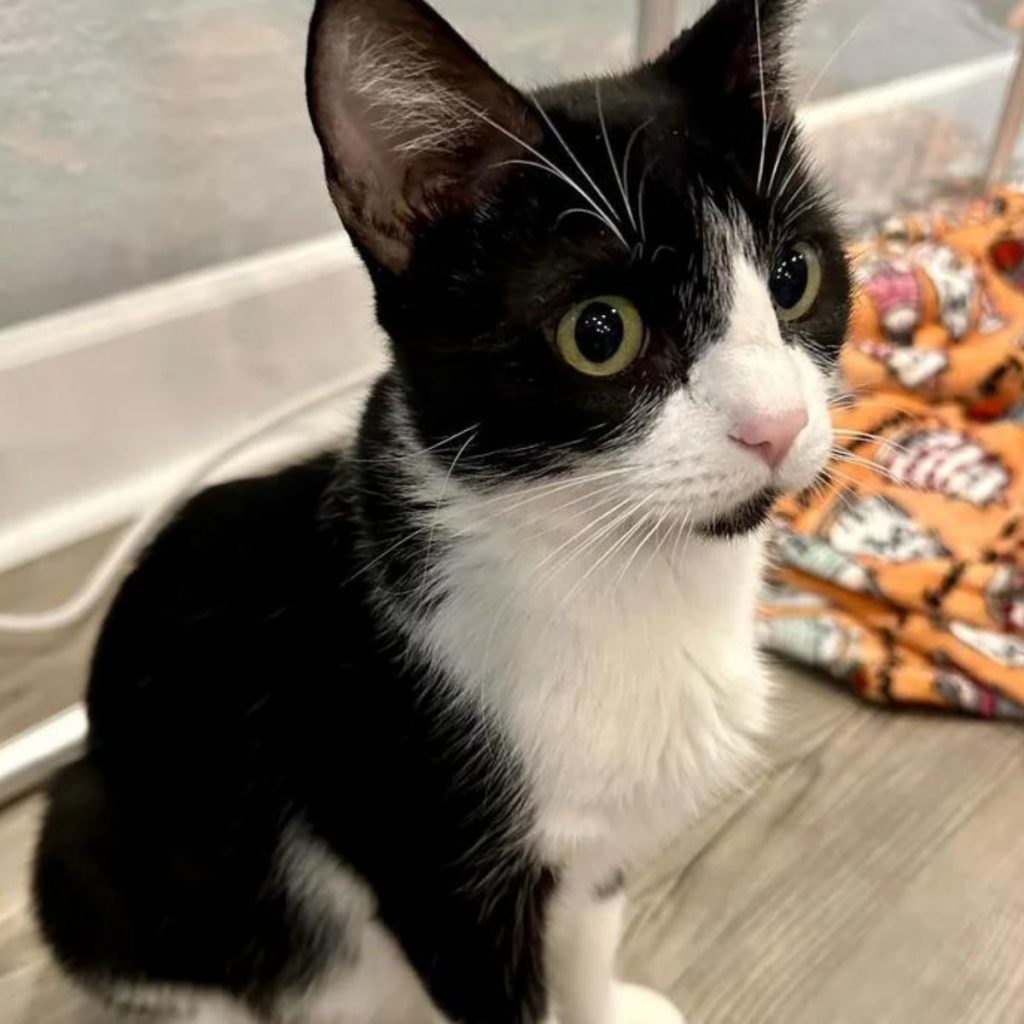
x,y
171,267
142,141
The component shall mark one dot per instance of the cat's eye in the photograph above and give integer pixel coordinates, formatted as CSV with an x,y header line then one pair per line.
x,y
795,281
602,336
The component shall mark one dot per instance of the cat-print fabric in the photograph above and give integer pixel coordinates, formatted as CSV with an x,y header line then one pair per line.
x,y
903,575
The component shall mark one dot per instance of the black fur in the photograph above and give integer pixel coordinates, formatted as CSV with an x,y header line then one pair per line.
x,y
487,274
238,687
246,684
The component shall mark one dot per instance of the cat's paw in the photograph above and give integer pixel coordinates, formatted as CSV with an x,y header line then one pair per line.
x,y
637,1005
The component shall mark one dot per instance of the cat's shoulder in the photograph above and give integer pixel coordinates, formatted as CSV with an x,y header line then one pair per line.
x,y
245,568
241,512
242,534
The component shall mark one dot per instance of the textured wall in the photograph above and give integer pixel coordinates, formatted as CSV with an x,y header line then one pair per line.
x,y
143,138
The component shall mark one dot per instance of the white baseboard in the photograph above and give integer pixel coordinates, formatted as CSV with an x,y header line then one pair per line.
x,y
27,760
904,93
91,514
104,408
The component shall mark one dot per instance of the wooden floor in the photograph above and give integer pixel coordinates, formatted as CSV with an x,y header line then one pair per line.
x,y
874,876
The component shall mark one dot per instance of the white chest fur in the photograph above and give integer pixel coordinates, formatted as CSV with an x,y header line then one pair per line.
x,y
632,693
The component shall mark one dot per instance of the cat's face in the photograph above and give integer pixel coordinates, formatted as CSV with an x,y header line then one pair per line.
x,y
635,280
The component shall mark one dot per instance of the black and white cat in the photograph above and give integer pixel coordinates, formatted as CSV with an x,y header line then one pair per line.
x,y
374,739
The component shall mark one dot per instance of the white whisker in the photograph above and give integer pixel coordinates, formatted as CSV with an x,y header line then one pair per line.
x,y
611,154
386,460
401,542
787,136
683,523
549,480
547,164
597,211
572,156
625,159
639,547
663,539
517,500
590,495
764,102
624,539
542,582
588,213
440,502
813,86
640,204
577,536
589,541
798,166
843,455
863,435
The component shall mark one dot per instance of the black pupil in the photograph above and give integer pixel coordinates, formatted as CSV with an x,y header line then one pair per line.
x,y
599,332
789,280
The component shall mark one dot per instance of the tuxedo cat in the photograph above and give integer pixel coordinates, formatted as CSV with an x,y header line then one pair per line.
x,y
375,738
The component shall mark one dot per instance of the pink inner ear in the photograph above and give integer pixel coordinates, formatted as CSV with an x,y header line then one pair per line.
x,y
363,155
396,98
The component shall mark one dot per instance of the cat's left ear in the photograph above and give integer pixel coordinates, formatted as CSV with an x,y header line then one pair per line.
x,y
736,51
412,121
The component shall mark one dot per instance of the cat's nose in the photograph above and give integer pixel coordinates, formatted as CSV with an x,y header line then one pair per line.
x,y
770,436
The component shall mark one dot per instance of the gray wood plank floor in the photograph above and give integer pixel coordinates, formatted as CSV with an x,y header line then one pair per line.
x,y
874,874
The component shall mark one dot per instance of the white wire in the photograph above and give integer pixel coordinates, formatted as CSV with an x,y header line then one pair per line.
x,y
132,543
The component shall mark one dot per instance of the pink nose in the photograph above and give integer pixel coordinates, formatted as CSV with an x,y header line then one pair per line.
x,y
771,437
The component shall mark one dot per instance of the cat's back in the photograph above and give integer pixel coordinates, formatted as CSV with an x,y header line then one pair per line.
x,y
252,729
155,841
227,604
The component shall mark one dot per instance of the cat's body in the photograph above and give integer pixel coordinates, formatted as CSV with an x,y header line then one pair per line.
x,y
344,743
374,739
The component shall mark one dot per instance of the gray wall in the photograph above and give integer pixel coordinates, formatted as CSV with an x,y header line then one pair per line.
x,y
143,138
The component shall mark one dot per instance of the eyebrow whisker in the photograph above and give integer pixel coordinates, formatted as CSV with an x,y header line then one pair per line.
x,y
611,154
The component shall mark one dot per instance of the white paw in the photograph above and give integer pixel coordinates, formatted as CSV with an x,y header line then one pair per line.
x,y
637,1005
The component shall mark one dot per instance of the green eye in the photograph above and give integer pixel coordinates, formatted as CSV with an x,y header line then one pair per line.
x,y
601,336
795,281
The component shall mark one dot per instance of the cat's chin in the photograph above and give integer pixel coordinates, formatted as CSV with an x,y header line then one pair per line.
x,y
743,518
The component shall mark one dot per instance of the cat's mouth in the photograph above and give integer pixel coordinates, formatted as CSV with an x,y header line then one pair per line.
x,y
748,515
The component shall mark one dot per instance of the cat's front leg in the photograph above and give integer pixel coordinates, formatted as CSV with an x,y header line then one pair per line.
x,y
582,944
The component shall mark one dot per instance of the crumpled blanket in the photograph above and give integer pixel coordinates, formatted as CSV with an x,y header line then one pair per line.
x,y
903,573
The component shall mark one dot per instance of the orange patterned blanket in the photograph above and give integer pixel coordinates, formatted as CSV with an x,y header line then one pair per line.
x,y
903,574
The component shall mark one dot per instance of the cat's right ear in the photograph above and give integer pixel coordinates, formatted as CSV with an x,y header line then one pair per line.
x,y
412,122
737,51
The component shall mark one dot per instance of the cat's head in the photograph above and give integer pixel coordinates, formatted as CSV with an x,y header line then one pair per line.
x,y
637,276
